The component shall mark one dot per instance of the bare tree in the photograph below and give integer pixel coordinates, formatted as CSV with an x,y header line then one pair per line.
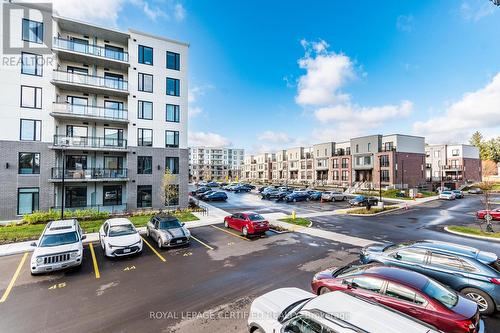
x,y
487,186
170,189
489,168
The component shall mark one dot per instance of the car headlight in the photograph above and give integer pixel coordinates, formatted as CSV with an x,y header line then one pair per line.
x,y
74,254
39,260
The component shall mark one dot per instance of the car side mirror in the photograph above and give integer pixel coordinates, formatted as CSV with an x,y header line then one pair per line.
x,y
33,244
397,256
183,224
84,237
349,284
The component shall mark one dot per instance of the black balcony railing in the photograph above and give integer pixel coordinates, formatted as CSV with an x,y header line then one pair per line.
x,y
89,174
90,111
89,142
452,167
90,49
105,82
100,208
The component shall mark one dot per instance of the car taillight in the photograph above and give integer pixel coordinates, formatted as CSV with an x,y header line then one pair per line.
x,y
468,325
495,280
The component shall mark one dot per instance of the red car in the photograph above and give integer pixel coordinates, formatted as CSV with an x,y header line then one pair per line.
x,y
495,214
406,291
247,223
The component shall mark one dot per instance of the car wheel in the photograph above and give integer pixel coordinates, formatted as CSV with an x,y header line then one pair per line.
x,y
344,199
257,330
323,290
308,199
483,300
488,217
160,245
294,200
226,225
244,231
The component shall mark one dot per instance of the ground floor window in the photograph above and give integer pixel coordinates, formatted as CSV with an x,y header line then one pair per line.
x,y
112,195
144,196
76,196
384,175
27,200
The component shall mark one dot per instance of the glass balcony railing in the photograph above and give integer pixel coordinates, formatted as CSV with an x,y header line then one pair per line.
x,y
90,49
90,111
91,80
92,173
64,141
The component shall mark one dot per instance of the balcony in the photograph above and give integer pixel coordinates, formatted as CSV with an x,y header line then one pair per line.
x,y
89,175
81,112
89,143
90,83
102,56
452,167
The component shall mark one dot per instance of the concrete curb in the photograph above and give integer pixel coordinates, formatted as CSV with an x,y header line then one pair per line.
x,y
376,214
471,236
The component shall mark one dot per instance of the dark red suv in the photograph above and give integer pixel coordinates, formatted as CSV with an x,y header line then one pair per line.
x,y
406,291
247,223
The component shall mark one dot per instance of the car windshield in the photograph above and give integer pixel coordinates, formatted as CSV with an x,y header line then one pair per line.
x,y
170,224
121,230
396,246
255,217
495,265
440,293
59,239
446,192
359,197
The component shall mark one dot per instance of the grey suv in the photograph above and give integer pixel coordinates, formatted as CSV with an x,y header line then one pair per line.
x,y
474,273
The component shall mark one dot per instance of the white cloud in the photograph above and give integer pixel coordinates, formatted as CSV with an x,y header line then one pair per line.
x,y
405,23
475,10
195,111
476,110
207,139
326,73
152,13
179,12
194,93
274,137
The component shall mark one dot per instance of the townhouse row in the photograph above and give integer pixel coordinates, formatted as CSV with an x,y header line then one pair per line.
x,y
104,110
394,161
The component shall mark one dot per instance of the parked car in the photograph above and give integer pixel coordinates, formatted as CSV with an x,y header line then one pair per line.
x,y
458,194
447,195
442,188
282,194
229,187
262,188
241,188
204,194
297,196
493,213
250,186
474,273
475,190
270,194
200,190
216,196
59,247
118,238
292,310
361,200
212,184
333,196
247,223
407,291
167,231
315,195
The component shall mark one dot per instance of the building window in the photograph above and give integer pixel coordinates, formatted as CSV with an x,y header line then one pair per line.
x,y
335,175
173,60
172,139
369,146
384,161
172,164
357,148
455,152
173,87
31,64
145,55
335,163
144,196
76,131
32,31
30,130
388,146
31,97
113,137
76,196
384,175
145,82
112,195
345,175
173,113
29,163
345,163
144,137
27,200
436,154
145,110
144,165
114,52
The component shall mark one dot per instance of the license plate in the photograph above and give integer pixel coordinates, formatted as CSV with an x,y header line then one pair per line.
x,y
179,241
126,250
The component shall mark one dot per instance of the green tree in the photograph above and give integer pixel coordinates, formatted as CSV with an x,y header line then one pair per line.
x,y
477,141
170,189
493,147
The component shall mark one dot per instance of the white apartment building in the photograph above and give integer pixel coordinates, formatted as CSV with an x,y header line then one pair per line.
x,y
107,106
208,163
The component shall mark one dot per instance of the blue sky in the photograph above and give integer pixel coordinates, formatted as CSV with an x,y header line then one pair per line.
x,y
270,74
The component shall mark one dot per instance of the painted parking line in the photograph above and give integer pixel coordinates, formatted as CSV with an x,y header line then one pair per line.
x,y
14,278
154,250
202,243
94,261
229,232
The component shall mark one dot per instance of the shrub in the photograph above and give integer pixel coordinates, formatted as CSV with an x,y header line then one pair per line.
x,y
51,215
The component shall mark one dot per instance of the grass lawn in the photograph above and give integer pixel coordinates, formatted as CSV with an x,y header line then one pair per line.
x,y
24,232
496,187
373,210
474,231
298,221
393,194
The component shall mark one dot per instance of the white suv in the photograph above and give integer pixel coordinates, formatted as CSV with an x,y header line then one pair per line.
x,y
59,247
292,310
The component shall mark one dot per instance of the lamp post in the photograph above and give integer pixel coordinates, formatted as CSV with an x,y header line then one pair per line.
x,y
63,146
380,178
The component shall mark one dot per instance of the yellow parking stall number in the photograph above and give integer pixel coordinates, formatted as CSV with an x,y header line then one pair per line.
x,y
187,254
58,286
130,268
230,244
